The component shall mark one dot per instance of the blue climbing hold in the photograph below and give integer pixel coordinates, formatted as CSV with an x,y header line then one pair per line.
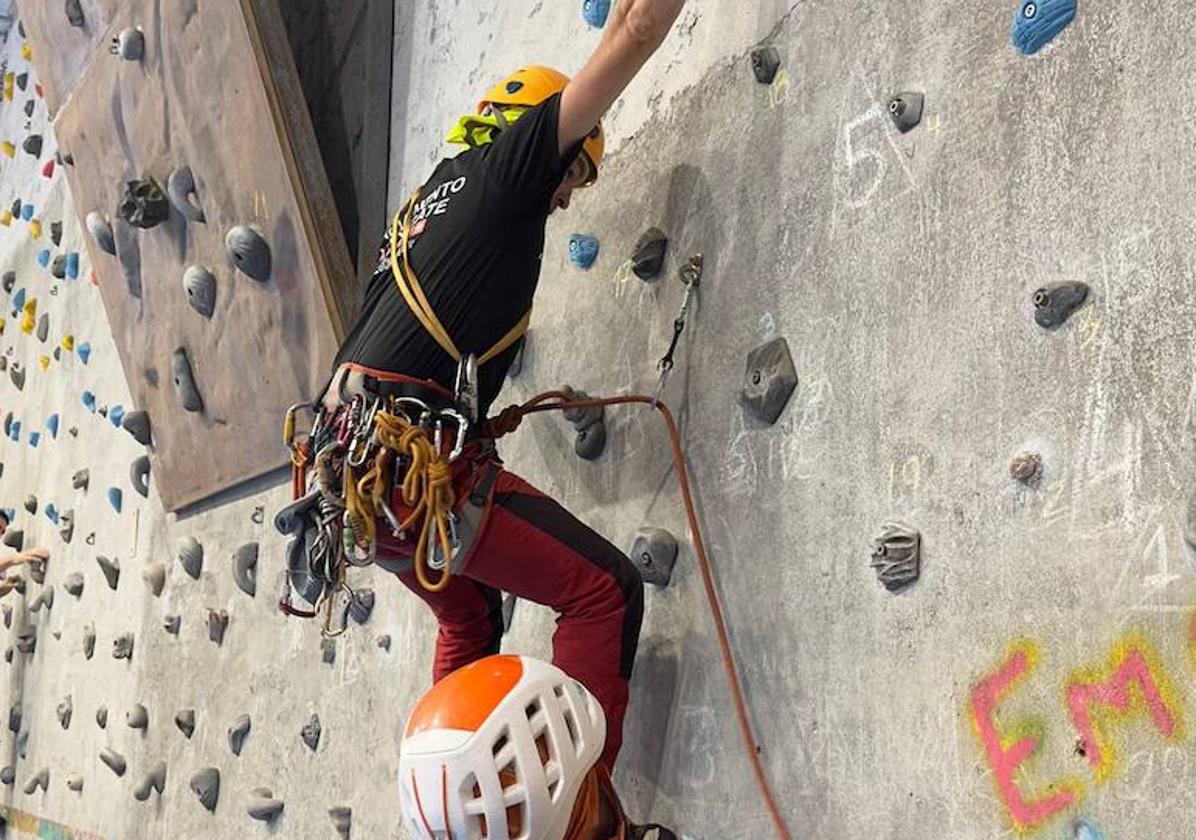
x,y
1084,830
114,498
18,301
34,439
583,250
15,431
84,351
595,12
26,212
52,425
51,513
116,414
43,257
10,513
72,265
1038,21
89,400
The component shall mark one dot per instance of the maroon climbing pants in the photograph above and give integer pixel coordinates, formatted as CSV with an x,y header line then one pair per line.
x,y
533,548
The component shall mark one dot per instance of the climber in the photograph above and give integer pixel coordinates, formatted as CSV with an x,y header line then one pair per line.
x,y
454,288
529,738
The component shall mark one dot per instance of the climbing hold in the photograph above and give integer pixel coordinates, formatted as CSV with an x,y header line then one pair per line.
x,y
185,721
18,301
14,538
66,528
81,479
15,715
190,555
896,556
200,286
245,568
583,250
89,401
582,418
508,612
52,425
10,151
137,717
115,761
56,233
217,624
27,212
22,81
342,820
72,266
84,352
361,605
384,642
65,709
766,61
516,366
171,624
74,783
43,257
74,13
30,104
139,475
654,553
45,599
10,280
1026,467
115,498
1038,22
328,650
181,187
74,584
249,252
184,381
48,172
35,228
154,575
111,570
238,733
44,363
769,380
89,643
129,45
68,342
154,780
591,442
906,110
122,646
51,513
37,571
205,784
1053,305
29,316
31,503
137,423
101,232
143,204
33,145
43,327
7,775
16,375
263,806
595,12
40,779
311,733
647,261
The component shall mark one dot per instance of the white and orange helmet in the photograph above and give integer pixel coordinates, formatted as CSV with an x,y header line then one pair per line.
x,y
498,750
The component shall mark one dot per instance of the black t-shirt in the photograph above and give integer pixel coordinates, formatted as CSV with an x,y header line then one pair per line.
x,y
476,242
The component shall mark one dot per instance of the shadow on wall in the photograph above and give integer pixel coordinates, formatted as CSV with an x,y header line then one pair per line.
x,y
653,691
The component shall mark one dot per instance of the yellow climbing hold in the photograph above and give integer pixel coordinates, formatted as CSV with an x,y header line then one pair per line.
x,y
29,319
44,361
10,85
68,343
9,148
6,218
26,52
35,228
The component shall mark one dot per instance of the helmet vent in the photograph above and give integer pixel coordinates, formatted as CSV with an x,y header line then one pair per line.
x,y
500,743
514,87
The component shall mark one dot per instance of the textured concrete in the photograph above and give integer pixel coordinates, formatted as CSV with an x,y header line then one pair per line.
x,y
901,269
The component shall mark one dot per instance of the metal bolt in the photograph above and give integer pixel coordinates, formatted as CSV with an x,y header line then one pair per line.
x,y
646,559
1025,467
1030,10
1041,298
756,377
896,107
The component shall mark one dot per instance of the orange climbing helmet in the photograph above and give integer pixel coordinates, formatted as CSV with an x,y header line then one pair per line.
x,y
528,87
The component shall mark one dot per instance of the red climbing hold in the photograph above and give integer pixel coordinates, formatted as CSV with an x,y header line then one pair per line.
x,y
48,169
95,281
40,94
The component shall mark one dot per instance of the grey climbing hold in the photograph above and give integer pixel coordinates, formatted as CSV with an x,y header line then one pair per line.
x,y
102,717
249,252
30,104
31,503
43,327
27,640
384,641
654,553
217,624
200,286
40,779
184,381
171,624
516,366
33,145
137,717
328,650
769,380
1026,467
128,254
101,232
896,556
906,110
137,423
14,538
263,806
7,609
74,13
115,761
508,612
122,646
143,204
23,743
8,653
66,526
238,733
185,721
361,605
74,783
139,475
582,418
190,556
56,238
111,570
65,709
9,281
14,717
154,575
766,61
181,188
16,374
81,479
205,784
45,598
58,269
342,820
129,45
311,732
155,779
245,568
647,261
8,775
591,442
74,584
1053,305
89,641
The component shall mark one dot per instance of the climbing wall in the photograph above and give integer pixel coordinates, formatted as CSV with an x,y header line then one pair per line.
x,y
184,300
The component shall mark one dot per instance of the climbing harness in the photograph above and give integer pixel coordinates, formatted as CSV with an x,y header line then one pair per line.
x,y
691,276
